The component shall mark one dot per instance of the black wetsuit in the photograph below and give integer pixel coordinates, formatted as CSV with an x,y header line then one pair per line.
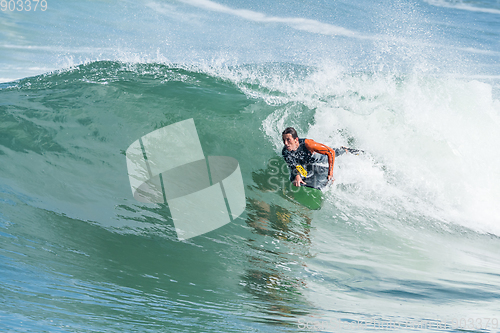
x,y
315,165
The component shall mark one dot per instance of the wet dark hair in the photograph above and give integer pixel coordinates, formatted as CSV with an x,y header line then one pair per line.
x,y
290,130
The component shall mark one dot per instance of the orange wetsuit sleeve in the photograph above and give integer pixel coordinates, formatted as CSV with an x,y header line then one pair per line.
x,y
315,147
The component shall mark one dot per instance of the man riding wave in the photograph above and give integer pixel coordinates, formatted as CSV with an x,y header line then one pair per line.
x,y
310,163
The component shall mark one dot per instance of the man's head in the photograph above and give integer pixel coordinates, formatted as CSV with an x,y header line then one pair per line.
x,y
290,139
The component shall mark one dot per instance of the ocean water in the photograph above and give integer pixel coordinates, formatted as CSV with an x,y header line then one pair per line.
x,y
408,238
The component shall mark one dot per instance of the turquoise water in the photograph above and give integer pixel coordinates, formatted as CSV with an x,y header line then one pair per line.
x,y
407,238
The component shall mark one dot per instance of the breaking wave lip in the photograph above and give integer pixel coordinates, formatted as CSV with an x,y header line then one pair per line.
x,y
462,6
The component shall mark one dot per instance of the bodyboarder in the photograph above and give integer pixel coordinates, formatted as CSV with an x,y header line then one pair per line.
x,y
310,163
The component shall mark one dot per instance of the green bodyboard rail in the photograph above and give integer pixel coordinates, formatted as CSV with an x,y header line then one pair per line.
x,y
309,197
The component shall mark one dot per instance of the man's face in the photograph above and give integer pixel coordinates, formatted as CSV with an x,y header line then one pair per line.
x,y
290,143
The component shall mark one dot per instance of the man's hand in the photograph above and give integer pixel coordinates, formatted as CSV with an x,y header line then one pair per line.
x,y
298,181
331,179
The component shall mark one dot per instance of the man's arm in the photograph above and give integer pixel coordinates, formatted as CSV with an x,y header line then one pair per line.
x,y
315,147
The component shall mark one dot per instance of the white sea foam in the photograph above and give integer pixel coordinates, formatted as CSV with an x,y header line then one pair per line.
x,y
431,142
298,23
463,6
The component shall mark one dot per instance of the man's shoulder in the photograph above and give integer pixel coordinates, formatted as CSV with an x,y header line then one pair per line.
x,y
308,142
